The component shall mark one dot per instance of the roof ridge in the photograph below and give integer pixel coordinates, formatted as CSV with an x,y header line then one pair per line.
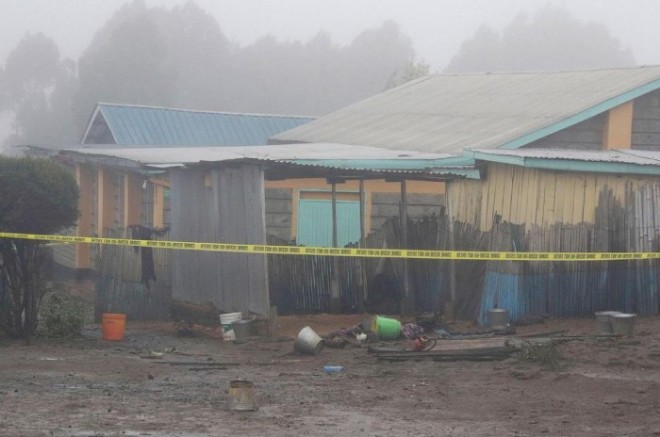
x,y
547,72
203,111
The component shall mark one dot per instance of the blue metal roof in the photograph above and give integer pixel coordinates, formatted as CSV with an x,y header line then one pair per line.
x,y
141,125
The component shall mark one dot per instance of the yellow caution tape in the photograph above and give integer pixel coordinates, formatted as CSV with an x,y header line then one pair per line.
x,y
344,252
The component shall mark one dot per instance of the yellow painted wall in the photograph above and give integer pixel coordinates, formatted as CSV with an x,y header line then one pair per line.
x,y
618,129
85,180
132,197
534,197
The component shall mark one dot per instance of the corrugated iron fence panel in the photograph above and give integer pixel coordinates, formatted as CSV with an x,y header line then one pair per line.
x,y
569,289
119,286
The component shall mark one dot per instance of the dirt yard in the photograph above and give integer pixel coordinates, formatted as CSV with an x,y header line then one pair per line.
x,y
90,387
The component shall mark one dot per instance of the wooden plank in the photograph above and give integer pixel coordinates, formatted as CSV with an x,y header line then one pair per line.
x,y
530,188
106,200
85,180
511,201
590,199
159,203
498,179
132,200
487,213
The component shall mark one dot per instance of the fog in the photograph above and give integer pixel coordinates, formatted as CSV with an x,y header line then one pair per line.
x,y
57,59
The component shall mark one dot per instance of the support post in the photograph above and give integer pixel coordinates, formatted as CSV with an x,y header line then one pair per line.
x,y
85,181
335,299
449,306
159,204
132,200
363,243
105,201
406,301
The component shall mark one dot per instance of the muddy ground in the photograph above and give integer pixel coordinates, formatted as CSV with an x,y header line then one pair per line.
x,y
90,387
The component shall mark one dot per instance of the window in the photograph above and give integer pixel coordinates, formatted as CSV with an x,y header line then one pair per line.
x,y
315,219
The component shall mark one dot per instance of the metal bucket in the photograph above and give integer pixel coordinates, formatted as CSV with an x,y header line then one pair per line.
x,y
498,318
604,321
242,329
241,395
308,342
624,324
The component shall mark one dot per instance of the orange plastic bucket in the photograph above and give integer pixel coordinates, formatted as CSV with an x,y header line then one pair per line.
x,y
113,326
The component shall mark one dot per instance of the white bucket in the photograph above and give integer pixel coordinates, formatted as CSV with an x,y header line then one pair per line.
x,y
226,321
308,342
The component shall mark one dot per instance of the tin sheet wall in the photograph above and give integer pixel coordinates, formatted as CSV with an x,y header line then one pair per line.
x,y
219,205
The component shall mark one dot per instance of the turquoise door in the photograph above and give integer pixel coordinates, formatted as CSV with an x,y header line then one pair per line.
x,y
315,222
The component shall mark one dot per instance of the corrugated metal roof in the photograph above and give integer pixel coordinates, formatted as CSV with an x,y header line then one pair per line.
x,y
602,161
177,156
142,125
449,112
638,157
324,155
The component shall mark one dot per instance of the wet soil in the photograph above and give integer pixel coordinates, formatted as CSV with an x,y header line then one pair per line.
x,y
91,387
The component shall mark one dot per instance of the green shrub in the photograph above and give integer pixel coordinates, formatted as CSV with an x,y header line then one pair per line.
x,y
61,315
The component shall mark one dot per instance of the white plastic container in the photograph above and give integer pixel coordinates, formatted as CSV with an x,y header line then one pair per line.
x,y
226,321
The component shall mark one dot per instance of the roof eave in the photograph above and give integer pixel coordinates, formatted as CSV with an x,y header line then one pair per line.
x,y
583,115
592,167
570,165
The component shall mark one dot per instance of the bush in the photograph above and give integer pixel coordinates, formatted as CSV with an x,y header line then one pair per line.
x,y
62,315
37,196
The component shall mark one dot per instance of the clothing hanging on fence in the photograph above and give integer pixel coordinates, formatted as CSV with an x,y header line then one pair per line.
x,y
139,232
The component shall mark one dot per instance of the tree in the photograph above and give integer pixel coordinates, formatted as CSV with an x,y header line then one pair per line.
x,y
316,77
36,86
153,56
411,71
179,57
37,196
551,40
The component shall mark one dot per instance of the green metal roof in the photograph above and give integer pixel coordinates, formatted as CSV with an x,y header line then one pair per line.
x,y
151,126
637,162
435,167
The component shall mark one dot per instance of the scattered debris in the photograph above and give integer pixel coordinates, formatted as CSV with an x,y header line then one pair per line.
x,y
333,369
481,354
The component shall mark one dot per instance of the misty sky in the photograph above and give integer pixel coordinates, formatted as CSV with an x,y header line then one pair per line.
x,y
436,27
